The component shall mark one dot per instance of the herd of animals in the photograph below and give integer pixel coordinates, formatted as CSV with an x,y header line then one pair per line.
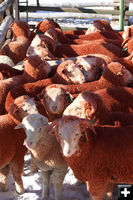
x,y
70,105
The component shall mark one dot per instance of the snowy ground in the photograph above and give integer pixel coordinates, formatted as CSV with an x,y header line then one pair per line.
x,y
72,189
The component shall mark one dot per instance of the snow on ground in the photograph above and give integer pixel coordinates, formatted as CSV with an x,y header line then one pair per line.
x,y
72,189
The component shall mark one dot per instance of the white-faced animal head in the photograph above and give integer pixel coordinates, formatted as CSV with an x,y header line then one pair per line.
x,y
72,72
22,106
88,67
84,106
69,130
35,126
54,100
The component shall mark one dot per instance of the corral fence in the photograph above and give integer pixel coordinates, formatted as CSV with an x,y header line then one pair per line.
x,y
10,10
115,10
8,13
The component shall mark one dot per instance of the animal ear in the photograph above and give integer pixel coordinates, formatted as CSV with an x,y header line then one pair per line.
x,y
119,73
19,126
13,109
42,65
84,124
11,25
44,120
91,108
26,59
53,128
70,97
40,95
125,42
38,24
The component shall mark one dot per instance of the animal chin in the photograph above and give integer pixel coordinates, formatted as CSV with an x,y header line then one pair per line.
x,y
56,111
29,146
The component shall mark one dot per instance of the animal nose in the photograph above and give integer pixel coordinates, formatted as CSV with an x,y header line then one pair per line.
x,y
28,143
54,107
31,142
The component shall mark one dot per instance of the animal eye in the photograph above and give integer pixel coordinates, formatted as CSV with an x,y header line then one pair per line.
x,y
46,96
78,108
59,134
39,129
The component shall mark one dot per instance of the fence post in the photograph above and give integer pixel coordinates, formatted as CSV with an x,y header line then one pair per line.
x,y
15,10
122,14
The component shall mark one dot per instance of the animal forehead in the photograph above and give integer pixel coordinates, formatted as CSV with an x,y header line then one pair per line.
x,y
33,122
28,103
54,91
81,99
72,66
69,128
87,60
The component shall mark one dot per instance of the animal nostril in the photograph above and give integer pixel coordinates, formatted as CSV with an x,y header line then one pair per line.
x,y
68,152
54,107
30,143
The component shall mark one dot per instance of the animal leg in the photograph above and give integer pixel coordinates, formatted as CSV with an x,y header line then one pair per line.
x,y
33,166
17,170
57,179
46,179
4,173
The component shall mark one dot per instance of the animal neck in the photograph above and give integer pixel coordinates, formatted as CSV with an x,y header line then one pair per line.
x,y
13,119
28,78
45,145
6,120
14,80
101,110
111,79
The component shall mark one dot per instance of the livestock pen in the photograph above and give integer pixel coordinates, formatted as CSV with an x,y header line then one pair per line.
x,y
68,11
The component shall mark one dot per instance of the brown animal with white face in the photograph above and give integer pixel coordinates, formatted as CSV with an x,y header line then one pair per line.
x,y
12,150
96,154
103,106
54,100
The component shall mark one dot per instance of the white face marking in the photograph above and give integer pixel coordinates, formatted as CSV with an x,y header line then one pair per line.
x,y
69,134
6,60
54,99
29,106
35,42
35,126
74,73
88,67
77,108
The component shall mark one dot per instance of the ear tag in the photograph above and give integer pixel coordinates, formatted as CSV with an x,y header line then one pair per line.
x,y
57,44
70,98
91,121
124,49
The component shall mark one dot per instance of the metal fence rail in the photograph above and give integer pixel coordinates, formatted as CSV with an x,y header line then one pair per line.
x,y
8,13
82,7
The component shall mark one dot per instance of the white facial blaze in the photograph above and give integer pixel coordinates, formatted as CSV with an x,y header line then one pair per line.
x,y
76,108
74,73
88,67
69,134
35,42
35,125
29,106
54,99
